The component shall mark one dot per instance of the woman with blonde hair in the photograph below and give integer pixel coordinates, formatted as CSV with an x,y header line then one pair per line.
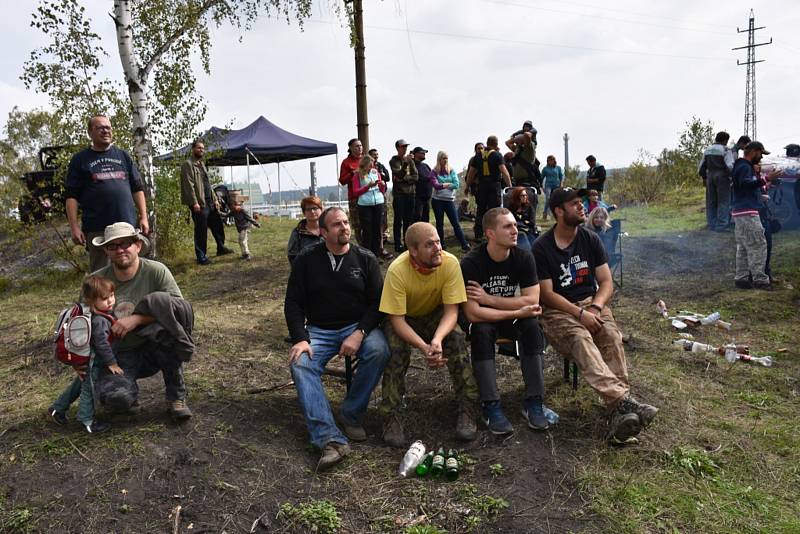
x,y
445,185
598,220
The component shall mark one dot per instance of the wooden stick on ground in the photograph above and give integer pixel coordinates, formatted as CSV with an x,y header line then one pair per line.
x,y
176,521
264,389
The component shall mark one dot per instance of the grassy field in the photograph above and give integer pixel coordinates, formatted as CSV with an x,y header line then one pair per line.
x,y
722,456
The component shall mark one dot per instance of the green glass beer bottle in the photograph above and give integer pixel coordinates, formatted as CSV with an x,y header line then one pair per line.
x,y
424,467
437,463
451,465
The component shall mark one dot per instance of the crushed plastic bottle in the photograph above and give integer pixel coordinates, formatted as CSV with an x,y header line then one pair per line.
x,y
730,354
766,361
686,335
661,308
677,323
722,325
412,458
551,416
710,319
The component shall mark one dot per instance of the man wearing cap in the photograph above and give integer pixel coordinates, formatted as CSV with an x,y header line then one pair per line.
x,y
404,178
596,175
421,295
491,169
424,186
751,245
196,192
135,279
576,287
350,165
103,181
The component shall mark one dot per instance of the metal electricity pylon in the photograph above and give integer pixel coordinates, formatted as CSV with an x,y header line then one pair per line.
x,y
750,87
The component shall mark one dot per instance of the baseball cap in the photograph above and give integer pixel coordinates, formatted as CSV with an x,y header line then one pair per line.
x,y
400,142
419,149
755,145
562,195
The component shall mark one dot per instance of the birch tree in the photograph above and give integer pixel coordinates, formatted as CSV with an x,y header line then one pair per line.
x,y
158,43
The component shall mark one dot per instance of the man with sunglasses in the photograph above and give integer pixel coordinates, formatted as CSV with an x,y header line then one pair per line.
x,y
103,181
576,287
135,279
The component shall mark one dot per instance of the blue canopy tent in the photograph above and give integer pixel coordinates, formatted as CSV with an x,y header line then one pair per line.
x,y
262,141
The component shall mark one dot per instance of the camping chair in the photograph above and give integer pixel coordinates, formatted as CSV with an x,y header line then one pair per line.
x,y
612,242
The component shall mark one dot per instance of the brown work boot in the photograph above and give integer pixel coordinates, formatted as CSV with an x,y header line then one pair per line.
x,y
623,427
332,454
645,412
393,432
466,427
354,432
179,410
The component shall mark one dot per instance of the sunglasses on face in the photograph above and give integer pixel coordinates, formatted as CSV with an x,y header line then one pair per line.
x,y
123,245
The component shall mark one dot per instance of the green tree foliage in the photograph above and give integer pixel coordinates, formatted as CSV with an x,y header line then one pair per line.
x,y
678,166
158,41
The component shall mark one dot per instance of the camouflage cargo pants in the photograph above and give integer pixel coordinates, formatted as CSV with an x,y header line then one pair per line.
x,y
600,356
751,249
454,348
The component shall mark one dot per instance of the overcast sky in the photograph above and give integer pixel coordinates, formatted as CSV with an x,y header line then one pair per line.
x,y
446,73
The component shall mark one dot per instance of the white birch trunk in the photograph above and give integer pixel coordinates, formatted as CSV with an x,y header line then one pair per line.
x,y
136,78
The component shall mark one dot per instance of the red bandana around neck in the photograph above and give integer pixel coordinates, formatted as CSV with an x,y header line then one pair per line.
x,y
421,269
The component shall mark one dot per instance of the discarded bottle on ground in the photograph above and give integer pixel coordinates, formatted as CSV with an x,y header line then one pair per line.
x,y
437,463
412,458
424,466
552,417
661,308
451,465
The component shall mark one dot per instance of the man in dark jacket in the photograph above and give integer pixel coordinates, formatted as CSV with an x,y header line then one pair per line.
x,y
404,180
331,308
422,199
596,175
715,169
751,245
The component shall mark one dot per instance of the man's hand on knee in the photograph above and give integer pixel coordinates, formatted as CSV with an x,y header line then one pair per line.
x,y
352,343
592,322
298,349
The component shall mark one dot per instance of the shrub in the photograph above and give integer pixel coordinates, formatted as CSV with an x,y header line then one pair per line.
x,y
639,183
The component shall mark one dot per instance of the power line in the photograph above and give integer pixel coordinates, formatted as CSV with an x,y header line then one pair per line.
x,y
530,43
604,17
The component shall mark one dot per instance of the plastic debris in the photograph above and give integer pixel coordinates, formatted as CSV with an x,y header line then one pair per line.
x,y
661,308
731,351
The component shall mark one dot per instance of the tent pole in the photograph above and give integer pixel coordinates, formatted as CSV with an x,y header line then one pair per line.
x,y
336,174
280,198
249,189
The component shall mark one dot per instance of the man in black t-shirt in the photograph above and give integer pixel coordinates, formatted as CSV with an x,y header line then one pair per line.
x,y
492,272
103,181
576,287
491,174
596,175
331,308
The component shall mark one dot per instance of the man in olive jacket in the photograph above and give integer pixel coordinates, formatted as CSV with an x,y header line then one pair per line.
x,y
196,193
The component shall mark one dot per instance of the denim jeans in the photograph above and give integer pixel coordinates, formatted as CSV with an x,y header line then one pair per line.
x,y
548,189
525,241
306,372
83,391
442,207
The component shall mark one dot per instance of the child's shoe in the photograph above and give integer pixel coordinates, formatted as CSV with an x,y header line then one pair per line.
x,y
96,427
59,417
247,257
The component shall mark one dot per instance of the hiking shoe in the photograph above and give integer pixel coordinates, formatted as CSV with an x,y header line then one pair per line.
x,y
247,257
764,286
204,261
60,418
466,428
332,454
622,427
224,250
743,284
393,432
353,431
495,420
96,427
645,412
179,410
465,247
533,412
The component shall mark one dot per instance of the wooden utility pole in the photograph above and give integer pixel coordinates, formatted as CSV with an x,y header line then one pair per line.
x,y
362,123
566,153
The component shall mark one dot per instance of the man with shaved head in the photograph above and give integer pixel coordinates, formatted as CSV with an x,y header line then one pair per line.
x,y
421,295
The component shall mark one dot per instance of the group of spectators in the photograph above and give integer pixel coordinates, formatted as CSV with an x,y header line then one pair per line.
x,y
737,194
338,302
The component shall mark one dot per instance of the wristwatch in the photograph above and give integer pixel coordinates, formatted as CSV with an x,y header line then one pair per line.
x,y
595,306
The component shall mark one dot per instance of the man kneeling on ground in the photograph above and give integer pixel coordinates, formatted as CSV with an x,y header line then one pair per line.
x,y
576,287
423,290
331,308
154,324
492,273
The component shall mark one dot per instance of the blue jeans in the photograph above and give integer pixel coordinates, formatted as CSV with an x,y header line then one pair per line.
x,y
547,190
440,207
306,372
83,392
525,241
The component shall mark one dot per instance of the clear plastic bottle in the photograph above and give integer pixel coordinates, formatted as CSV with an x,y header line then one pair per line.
x,y
412,458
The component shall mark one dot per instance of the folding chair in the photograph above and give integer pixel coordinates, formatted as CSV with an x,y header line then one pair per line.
x,y
612,242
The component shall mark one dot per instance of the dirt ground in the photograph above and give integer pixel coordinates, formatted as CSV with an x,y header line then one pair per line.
x,y
244,454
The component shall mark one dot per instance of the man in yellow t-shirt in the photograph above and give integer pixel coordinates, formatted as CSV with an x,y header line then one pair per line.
x,y
421,294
